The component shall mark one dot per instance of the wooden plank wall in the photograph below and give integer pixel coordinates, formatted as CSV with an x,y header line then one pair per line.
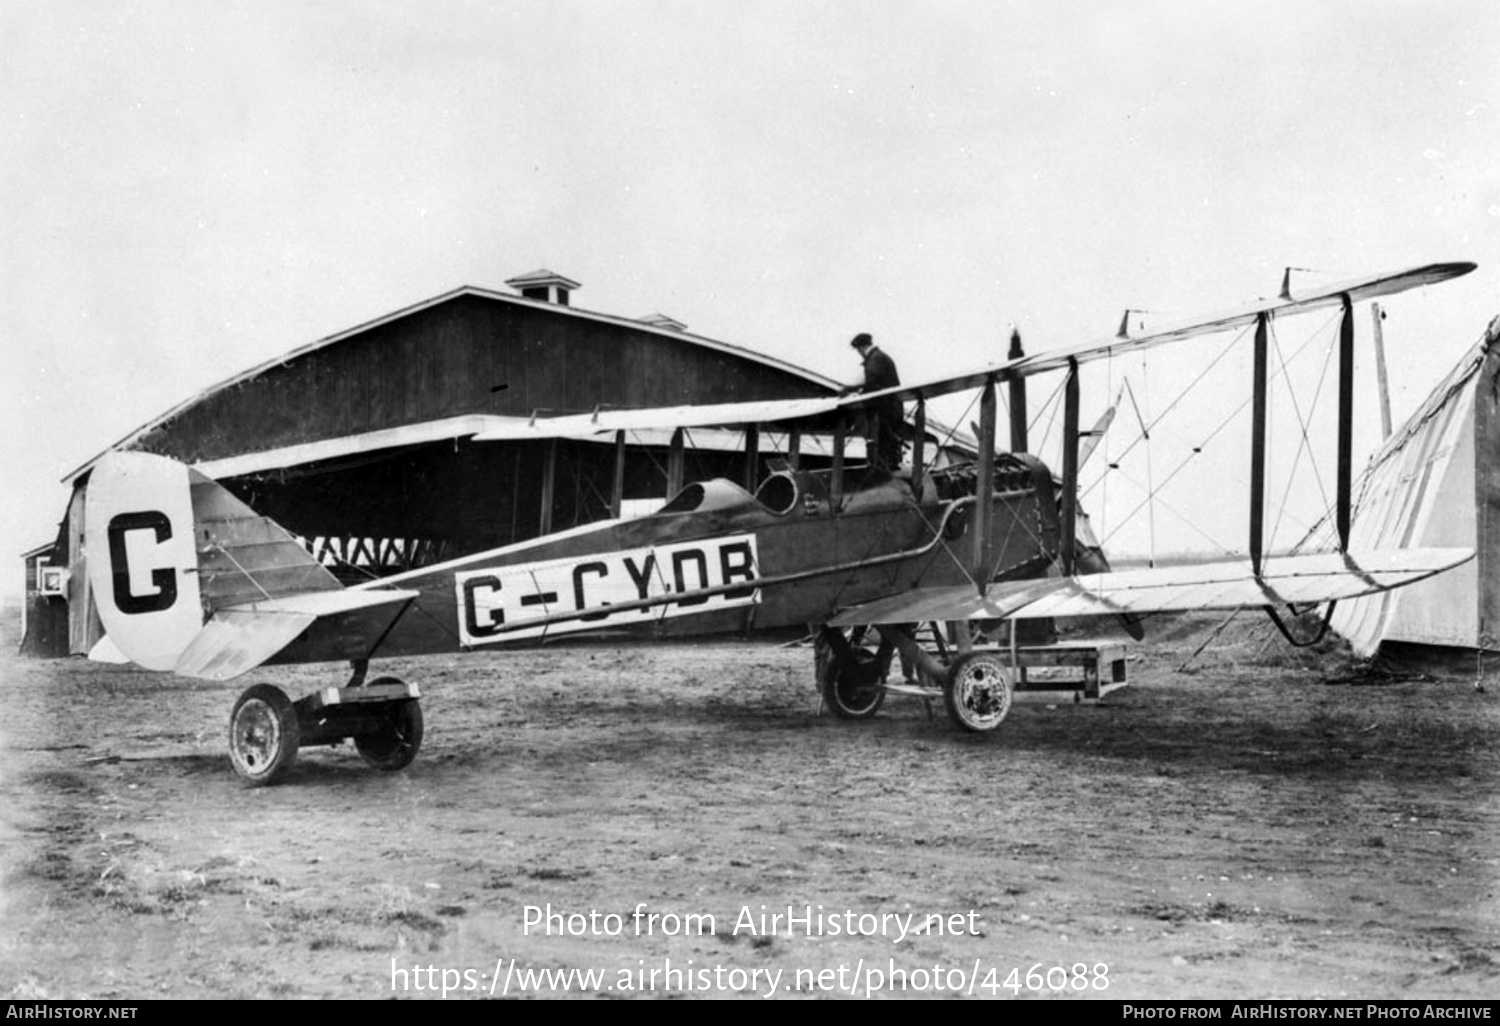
x,y
450,360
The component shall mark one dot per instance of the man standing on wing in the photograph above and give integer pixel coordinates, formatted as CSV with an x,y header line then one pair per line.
x,y
883,420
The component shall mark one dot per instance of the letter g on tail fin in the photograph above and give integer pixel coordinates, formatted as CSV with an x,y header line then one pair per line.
x,y
188,578
141,556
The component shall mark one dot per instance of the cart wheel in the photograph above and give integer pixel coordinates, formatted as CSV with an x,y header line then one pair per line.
x,y
263,735
849,677
397,742
979,691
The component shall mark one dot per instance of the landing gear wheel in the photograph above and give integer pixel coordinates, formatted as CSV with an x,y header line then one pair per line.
x,y
397,742
979,690
263,735
849,677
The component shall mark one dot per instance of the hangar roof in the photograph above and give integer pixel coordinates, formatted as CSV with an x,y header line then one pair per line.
x,y
739,352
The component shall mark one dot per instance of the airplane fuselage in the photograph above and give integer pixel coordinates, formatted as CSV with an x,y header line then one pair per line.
x,y
715,561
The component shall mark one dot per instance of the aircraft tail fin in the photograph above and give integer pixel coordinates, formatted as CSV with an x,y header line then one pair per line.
x,y
142,555
188,578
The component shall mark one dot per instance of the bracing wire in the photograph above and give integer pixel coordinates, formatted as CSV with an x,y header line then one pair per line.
x,y
1189,387
1155,488
1047,406
1154,499
248,575
1304,445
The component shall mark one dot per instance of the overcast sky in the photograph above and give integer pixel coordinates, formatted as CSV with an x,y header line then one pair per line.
x,y
190,189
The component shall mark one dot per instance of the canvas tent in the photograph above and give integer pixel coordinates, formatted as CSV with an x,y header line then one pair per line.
x,y
1436,482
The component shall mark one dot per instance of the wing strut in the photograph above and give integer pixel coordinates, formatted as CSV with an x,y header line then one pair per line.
x,y
752,456
676,463
1258,443
836,480
617,488
919,426
549,486
1346,420
984,487
1068,543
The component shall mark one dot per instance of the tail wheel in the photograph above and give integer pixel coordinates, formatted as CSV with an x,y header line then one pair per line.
x,y
979,692
396,743
263,735
849,677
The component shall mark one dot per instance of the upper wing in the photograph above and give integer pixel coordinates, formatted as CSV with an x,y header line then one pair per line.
x,y
771,411
1357,289
1285,580
712,415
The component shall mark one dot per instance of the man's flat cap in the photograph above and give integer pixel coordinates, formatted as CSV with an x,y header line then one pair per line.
x,y
861,340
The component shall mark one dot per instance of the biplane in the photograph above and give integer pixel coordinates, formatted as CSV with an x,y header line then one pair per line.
x,y
189,579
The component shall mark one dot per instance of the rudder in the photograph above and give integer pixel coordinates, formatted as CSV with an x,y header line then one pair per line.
x,y
170,550
141,556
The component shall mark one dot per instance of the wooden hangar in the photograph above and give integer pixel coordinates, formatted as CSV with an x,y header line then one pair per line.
x,y
367,443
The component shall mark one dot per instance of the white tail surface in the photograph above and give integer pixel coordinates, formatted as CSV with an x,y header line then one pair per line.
x,y
142,560
238,639
190,579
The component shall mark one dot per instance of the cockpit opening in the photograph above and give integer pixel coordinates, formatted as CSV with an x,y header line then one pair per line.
x,y
778,494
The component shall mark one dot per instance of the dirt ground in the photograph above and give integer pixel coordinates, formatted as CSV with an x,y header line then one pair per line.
x,y
1259,825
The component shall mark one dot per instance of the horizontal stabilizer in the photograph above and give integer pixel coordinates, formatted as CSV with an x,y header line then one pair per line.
x,y
232,643
1283,581
237,639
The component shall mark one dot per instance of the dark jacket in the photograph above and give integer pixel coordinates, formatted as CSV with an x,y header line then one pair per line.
x,y
880,371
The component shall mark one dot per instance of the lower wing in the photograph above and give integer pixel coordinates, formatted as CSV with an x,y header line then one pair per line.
x,y
1283,581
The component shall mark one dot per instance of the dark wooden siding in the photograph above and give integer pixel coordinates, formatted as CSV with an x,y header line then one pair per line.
x,y
46,616
447,360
